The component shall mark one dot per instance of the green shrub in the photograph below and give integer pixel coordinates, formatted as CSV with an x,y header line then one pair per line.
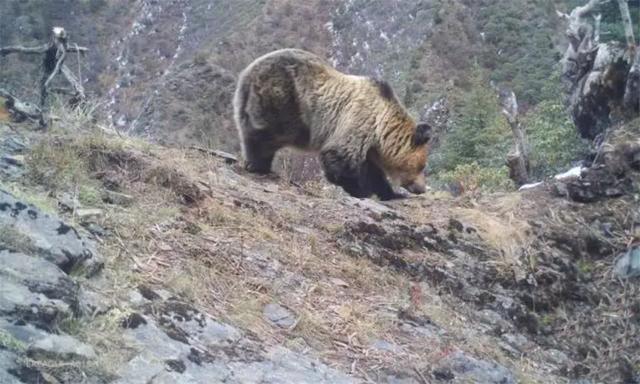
x,y
553,139
478,139
475,178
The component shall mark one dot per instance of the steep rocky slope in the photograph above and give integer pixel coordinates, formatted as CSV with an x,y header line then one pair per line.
x,y
180,267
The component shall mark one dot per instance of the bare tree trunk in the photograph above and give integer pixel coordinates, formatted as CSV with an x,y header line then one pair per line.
x,y
626,21
518,157
632,89
55,53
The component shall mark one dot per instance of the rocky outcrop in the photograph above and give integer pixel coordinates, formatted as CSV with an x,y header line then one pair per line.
x,y
46,236
601,79
178,343
38,252
175,342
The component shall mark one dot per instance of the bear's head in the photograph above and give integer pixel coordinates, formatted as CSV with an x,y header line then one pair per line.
x,y
407,169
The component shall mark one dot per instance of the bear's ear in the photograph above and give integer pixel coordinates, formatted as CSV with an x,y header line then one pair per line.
x,y
422,135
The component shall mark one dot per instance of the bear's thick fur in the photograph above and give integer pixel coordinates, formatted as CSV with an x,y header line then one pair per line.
x,y
363,133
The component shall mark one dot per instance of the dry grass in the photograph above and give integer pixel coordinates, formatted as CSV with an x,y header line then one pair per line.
x,y
503,228
230,243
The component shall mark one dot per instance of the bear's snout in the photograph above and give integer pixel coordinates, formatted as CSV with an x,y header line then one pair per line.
x,y
416,188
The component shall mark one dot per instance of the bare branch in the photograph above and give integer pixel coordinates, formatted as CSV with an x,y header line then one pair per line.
x,y
596,29
22,49
75,83
586,9
76,48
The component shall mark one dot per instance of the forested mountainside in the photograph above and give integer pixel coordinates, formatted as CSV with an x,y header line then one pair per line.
x,y
135,248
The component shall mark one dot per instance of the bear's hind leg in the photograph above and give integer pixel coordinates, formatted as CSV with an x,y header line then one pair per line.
x,y
259,151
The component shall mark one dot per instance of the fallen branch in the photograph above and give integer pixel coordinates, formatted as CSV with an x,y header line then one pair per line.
x,y
226,156
20,109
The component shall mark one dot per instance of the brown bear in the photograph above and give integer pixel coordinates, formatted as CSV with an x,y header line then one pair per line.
x,y
293,98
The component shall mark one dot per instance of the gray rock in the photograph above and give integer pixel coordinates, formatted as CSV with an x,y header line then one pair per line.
x,y
24,297
12,166
284,366
92,303
466,369
49,237
384,346
517,341
39,276
136,298
13,144
183,321
557,357
96,229
393,379
60,347
628,264
7,364
11,158
279,315
18,302
67,202
179,344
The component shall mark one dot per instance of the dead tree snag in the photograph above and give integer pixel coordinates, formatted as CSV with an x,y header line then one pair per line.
x,y
53,63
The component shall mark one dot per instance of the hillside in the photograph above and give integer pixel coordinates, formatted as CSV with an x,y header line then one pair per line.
x,y
135,248
185,268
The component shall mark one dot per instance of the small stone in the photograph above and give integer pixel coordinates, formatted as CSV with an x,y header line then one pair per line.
x,y
133,321
271,188
628,264
89,214
93,303
516,340
384,346
339,282
468,369
136,298
165,247
557,357
15,160
95,229
117,198
279,315
67,202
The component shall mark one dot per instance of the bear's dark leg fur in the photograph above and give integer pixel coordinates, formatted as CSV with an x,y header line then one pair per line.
x,y
341,170
378,183
259,151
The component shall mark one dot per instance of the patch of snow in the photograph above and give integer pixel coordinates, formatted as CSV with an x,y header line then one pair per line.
x,y
573,172
530,186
